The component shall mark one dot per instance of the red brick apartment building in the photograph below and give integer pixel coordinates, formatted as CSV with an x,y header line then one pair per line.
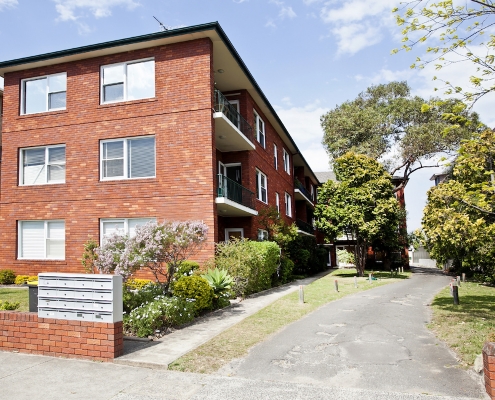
x,y
166,126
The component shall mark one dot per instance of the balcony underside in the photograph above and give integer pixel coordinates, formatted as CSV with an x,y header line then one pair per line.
x,y
299,195
229,208
228,137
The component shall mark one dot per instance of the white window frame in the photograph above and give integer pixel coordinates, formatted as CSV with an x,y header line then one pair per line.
x,y
47,103
277,202
275,156
120,220
286,160
288,204
125,64
260,135
262,235
45,239
126,159
21,165
228,230
259,186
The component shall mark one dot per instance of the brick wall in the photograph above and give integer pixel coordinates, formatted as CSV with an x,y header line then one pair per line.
x,y
489,368
26,333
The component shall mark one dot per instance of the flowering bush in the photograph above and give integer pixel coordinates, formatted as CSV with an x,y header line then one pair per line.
x,y
136,284
133,298
22,279
161,312
195,288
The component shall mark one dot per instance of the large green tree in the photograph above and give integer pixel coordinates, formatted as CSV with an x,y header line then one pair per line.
x,y
361,202
455,33
459,217
404,132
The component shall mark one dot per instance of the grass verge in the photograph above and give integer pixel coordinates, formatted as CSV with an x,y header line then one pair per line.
x,y
16,295
237,340
467,326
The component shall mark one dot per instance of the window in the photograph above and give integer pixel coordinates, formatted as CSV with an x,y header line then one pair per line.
x,y
125,226
46,93
128,81
261,186
275,156
262,235
286,161
42,165
277,202
234,234
128,158
42,240
260,129
288,205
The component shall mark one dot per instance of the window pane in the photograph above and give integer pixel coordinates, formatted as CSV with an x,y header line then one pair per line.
x,y
141,80
113,74
113,149
110,227
56,100
35,96
32,240
141,157
34,166
113,92
113,168
56,155
55,230
132,224
57,83
56,173
55,249
263,195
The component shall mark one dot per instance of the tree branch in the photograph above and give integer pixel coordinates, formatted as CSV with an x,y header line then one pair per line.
x,y
484,4
477,208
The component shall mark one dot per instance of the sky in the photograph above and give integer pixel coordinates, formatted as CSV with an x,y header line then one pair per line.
x,y
308,56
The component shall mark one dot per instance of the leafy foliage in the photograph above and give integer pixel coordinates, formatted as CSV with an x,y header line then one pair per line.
x,y
362,203
456,33
404,132
22,279
345,257
187,267
136,284
285,271
9,306
7,277
195,288
89,256
221,283
251,264
278,230
307,257
133,298
459,217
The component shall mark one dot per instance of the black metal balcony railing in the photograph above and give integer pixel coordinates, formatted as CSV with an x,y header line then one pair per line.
x,y
231,190
222,105
304,226
303,190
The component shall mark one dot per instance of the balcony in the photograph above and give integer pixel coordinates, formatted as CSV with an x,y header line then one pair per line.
x,y
301,193
305,228
232,132
234,200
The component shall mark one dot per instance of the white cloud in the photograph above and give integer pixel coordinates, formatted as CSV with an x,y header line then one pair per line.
x,y
270,24
284,12
287,12
68,9
7,4
303,124
356,10
386,75
352,38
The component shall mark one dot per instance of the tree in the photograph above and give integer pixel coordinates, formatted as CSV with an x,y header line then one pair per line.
x,y
456,33
404,132
361,203
160,247
459,217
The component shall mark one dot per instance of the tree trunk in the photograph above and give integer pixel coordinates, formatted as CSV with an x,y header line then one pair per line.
x,y
360,251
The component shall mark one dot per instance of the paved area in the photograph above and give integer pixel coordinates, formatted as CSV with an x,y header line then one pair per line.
x,y
374,340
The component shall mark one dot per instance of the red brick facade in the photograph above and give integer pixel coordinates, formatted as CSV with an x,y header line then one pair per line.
x,y
489,368
26,333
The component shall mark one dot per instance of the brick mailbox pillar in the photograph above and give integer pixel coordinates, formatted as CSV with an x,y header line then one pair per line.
x,y
489,368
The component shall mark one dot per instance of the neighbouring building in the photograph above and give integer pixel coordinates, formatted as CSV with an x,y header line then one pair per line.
x,y
165,126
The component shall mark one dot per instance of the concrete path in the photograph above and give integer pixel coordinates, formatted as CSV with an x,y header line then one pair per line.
x,y
373,340
160,353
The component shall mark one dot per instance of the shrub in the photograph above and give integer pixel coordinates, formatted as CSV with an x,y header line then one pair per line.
x,y
285,270
197,288
187,267
134,298
308,258
8,306
7,277
345,257
221,283
22,279
136,284
251,264
161,312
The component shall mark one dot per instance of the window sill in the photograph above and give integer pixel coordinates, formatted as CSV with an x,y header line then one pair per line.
x,y
128,102
42,185
43,114
51,260
130,180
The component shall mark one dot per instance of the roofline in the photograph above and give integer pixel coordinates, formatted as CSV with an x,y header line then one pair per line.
x,y
159,35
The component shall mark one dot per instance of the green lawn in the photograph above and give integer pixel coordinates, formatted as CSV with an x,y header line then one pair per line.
x,y
16,295
236,341
467,326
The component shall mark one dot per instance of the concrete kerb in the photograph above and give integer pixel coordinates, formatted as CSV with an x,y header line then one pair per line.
x,y
159,354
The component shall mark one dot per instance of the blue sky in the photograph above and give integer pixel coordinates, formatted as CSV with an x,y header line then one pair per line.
x,y
307,55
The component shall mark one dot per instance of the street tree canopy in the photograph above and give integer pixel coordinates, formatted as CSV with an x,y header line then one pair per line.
x,y
361,203
404,132
454,33
459,217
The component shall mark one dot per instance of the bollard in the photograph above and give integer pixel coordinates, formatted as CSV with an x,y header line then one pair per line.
x,y
355,282
336,285
301,294
370,278
463,277
458,281
451,291
455,294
